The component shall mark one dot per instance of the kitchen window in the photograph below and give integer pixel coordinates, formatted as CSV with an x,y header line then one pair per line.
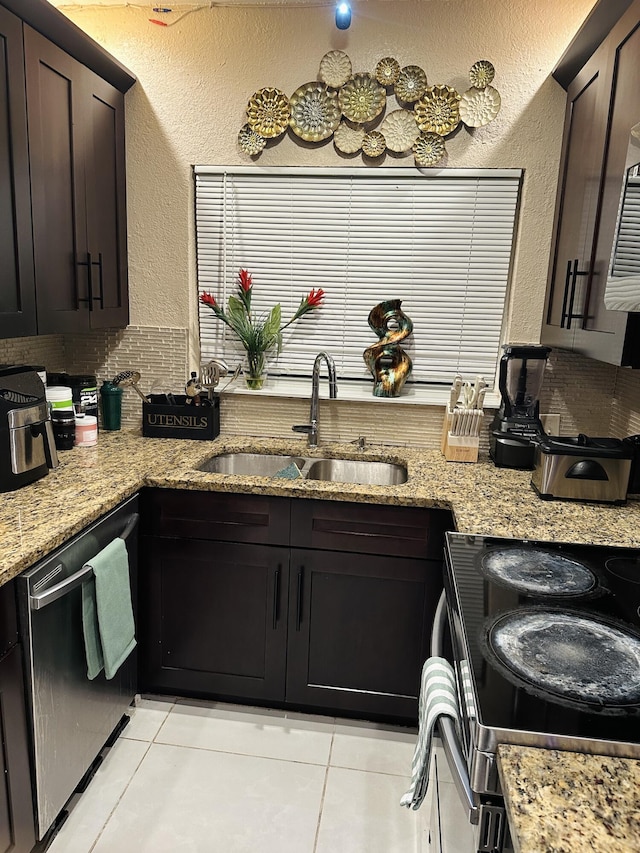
x,y
441,242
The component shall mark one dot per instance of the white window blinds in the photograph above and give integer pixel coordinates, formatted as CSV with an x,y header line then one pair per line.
x,y
441,243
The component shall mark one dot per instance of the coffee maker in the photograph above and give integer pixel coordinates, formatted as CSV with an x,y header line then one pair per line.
x,y
27,448
516,426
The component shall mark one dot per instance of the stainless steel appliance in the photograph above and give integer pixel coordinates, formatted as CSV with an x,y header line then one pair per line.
x,y
583,468
71,718
516,426
27,448
545,640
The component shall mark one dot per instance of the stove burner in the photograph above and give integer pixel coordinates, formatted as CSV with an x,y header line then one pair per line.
x,y
534,571
586,662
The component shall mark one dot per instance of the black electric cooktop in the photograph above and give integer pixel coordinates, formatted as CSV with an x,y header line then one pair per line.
x,y
550,634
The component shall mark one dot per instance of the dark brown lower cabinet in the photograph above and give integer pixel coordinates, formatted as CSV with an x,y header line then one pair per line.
x,y
213,618
359,630
307,604
17,828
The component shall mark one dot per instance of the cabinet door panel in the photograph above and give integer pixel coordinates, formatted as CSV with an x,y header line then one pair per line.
x,y
17,828
625,112
106,203
215,618
220,516
577,203
359,629
369,529
57,144
17,294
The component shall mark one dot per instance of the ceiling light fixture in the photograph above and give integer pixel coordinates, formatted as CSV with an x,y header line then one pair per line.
x,y
343,15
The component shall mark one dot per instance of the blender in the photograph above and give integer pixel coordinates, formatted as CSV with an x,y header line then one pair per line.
x,y
516,426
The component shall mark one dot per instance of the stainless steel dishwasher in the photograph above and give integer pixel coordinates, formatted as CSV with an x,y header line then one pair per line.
x,y
71,718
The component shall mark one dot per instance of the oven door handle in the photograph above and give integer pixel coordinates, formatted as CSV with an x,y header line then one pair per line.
x,y
450,740
42,599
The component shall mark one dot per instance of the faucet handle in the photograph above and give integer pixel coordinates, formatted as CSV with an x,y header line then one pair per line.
x,y
306,428
361,441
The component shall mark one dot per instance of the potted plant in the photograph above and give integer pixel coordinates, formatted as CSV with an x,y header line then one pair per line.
x,y
258,334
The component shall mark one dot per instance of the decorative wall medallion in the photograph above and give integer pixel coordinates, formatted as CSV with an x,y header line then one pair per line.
x,y
482,73
362,98
268,112
315,112
387,71
438,110
400,130
428,149
374,144
250,141
348,139
411,84
479,106
335,68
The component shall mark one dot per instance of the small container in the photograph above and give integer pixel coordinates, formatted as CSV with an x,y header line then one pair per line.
x,y
60,398
86,431
111,402
84,388
64,428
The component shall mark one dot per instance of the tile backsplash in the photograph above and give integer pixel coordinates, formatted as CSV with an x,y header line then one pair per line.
x,y
589,396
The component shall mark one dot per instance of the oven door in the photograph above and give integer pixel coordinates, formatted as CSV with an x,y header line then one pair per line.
x,y
462,820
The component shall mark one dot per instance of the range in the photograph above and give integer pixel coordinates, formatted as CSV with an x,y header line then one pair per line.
x,y
545,639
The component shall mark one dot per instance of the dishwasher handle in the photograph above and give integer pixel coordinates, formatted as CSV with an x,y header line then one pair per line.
x,y
42,599
450,740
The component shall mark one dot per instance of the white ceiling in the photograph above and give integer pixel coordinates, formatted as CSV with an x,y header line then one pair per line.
x,y
184,4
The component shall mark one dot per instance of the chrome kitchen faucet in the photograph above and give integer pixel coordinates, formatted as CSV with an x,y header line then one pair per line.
x,y
311,429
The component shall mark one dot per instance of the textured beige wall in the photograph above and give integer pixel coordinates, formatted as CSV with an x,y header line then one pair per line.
x,y
195,77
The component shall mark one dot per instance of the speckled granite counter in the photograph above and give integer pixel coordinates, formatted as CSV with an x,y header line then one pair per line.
x,y
566,802
483,498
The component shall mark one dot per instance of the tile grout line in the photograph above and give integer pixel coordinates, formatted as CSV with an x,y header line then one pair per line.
x,y
122,793
324,789
126,787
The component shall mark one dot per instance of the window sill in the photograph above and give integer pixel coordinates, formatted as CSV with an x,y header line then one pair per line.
x,y
354,392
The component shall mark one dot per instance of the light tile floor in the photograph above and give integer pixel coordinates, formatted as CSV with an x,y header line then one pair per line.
x,y
204,777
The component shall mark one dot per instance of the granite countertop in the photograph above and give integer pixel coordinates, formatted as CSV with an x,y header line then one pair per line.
x,y
567,802
484,499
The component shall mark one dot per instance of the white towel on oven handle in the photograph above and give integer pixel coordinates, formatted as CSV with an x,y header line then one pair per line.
x,y
438,697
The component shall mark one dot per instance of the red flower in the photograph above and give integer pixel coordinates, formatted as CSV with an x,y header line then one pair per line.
x,y
244,280
315,297
208,299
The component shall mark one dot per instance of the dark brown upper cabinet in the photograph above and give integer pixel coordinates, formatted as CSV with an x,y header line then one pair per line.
x,y
17,295
603,104
77,158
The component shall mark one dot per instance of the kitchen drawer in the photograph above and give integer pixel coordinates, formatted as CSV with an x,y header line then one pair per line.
x,y
369,529
260,519
8,618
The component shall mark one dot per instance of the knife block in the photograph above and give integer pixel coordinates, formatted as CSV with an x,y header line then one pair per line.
x,y
458,448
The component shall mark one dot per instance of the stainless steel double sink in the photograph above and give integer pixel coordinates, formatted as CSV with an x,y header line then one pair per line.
x,y
357,471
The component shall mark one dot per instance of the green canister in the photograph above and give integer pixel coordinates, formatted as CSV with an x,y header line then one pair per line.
x,y
111,403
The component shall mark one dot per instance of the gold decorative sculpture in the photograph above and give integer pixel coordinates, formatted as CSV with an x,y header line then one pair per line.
x,y
387,361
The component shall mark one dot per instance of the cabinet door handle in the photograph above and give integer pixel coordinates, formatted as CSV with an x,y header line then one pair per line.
x,y
571,283
276,598
299,598
100,297
89,265
565,295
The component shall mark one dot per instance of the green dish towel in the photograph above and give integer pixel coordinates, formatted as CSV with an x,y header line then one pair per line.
x,y
107,613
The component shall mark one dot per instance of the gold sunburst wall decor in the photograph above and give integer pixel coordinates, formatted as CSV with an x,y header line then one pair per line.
x,y
353,108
